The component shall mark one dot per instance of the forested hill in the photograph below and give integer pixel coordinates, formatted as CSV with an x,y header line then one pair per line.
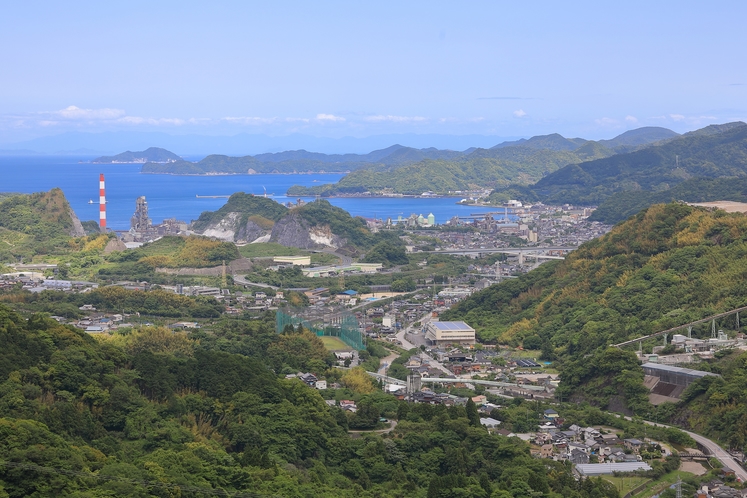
x,y
152,154
521,161
622,205
298,161
314,225
40,216
713,152
157,413
247,205
668,265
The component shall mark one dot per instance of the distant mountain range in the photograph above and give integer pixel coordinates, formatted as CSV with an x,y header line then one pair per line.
x,y
518,162
716,151
198,146
298,161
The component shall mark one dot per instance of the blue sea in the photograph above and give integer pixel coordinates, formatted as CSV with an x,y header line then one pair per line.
x,y
171,196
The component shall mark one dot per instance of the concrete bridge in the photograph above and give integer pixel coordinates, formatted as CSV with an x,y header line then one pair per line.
x,y
688,326
521,252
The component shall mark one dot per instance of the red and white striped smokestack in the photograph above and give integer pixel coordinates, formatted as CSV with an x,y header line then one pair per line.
x,y
102,203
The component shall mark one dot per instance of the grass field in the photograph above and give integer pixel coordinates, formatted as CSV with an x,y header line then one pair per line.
x,y
268,250
626,484
334,344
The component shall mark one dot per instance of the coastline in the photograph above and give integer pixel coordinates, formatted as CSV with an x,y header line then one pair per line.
x,y
216,173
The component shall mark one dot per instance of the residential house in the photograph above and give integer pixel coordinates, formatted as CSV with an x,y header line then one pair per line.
x,y
309,379
348,405
578,457
633,444
546,451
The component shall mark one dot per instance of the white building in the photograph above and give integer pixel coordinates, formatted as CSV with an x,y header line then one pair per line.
x,y
443,333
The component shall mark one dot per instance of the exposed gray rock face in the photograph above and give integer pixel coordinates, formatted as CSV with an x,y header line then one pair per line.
x,y
250,232
294,231
77,230
225,229
290,231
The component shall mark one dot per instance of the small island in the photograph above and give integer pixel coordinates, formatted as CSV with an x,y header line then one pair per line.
x,y
149,155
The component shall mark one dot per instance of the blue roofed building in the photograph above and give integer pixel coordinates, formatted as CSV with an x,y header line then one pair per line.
x,y
445,333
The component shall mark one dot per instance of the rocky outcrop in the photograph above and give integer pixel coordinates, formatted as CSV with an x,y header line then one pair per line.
x,y
291,231
77,230
294,231
225,229
250,232
114,245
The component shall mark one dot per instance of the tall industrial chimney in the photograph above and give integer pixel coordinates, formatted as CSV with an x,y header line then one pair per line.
x,y
102,203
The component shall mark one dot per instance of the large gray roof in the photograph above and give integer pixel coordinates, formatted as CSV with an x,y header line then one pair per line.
x,y
679,370
451,326
595,469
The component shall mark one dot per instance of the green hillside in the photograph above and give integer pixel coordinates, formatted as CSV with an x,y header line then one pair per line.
x,y
154,154
715,151
156,413
481,168
668,265
519,162
248,205
297,161
32,224
622,205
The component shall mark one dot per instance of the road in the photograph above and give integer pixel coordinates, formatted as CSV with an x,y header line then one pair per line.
x,y
392,425
243,281
713,448
344,260
718,452
385,362
410,340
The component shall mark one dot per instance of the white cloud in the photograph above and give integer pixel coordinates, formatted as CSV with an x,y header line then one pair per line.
x,y
631,119
677,117
329,117
248,120
379,118
76,113
519,113
137,120
606,122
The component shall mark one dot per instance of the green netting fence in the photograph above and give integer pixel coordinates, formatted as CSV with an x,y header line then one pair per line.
x,y
342,325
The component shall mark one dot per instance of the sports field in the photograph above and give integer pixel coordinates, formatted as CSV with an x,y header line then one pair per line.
x,y
334,344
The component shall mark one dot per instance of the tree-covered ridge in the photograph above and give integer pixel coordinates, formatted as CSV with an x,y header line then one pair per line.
x,y
481,168
716,405
322,213
42,215
154,154
518,162
247,205
711,153
156,414
622,205
298,161
669,265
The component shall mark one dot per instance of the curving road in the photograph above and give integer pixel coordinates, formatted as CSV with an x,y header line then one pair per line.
x,y
243,281
718,452
392,425
715,450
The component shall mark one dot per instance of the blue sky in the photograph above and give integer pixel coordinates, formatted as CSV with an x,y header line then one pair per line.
x,y
333,69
